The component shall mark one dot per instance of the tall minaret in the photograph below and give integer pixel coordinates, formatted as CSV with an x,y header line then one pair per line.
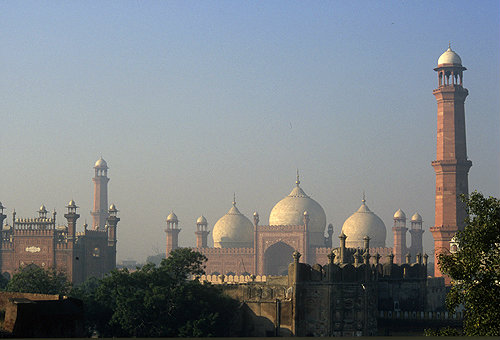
x,y
100,212
451,164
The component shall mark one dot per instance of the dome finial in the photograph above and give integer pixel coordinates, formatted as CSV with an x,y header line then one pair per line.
x,y
449,45
234,199
364,198
298,178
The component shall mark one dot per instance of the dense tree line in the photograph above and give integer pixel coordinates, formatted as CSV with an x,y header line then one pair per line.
x,y
153,301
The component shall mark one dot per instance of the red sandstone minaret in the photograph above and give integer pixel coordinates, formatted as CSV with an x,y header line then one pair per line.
x,y
399,230
172,232
451,164
201,232
100,212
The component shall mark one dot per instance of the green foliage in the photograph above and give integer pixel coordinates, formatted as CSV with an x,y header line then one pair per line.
x,y
161,301
3,282
96,314
446,331
33,279
155,259
475,267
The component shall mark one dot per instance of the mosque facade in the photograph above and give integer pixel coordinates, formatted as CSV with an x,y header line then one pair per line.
x,y
296,223
41,241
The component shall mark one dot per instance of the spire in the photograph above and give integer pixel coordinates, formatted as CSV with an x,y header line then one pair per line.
x,y
298,179
364,198
234,199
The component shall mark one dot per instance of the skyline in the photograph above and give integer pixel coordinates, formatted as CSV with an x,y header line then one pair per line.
x,y
189,103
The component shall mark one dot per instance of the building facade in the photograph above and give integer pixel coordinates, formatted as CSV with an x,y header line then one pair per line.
x,y
296,223
348,296
43,242
451,164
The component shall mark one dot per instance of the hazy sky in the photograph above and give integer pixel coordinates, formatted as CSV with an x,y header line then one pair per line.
x,y
190,101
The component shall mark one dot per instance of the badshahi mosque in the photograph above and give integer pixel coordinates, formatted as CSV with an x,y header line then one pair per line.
x,y
296,223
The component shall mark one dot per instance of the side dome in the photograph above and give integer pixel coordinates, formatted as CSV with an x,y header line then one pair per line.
x,y
101,164
172,217
233,230
399,215
364,223
290,211
450,57
416,217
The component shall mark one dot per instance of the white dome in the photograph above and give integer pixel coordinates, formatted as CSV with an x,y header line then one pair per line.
x,y
364,223
201,220
290,211
416,217
101,163
399,215
449,57
233,230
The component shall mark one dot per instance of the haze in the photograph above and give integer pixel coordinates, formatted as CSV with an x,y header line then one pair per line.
x,y
189,102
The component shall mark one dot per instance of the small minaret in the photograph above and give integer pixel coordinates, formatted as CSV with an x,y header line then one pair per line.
x,y
329,239
111,224
416,233
201,232
399,232
172,230
342,238
42,212
306,236
100,212
2,218
71,216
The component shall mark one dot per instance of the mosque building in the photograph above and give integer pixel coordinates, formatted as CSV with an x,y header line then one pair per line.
x,y
41,241
296,223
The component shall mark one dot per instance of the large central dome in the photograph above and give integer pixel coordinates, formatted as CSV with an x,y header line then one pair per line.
x,y
233,230
290,211
364,223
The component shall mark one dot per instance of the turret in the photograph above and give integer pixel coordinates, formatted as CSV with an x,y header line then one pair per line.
x,y
342,238
71,216
328,239
2,218
416,233
399,232
201,232
172,230
112,223
100,211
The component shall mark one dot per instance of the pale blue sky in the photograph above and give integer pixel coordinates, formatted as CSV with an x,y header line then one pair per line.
x,y
190,101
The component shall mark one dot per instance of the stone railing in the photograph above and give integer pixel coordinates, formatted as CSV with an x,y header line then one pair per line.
x,y
231,279
420,315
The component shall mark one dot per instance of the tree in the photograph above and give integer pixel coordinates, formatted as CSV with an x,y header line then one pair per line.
x,y
155,259
33,279
475,267
96,313
163,301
